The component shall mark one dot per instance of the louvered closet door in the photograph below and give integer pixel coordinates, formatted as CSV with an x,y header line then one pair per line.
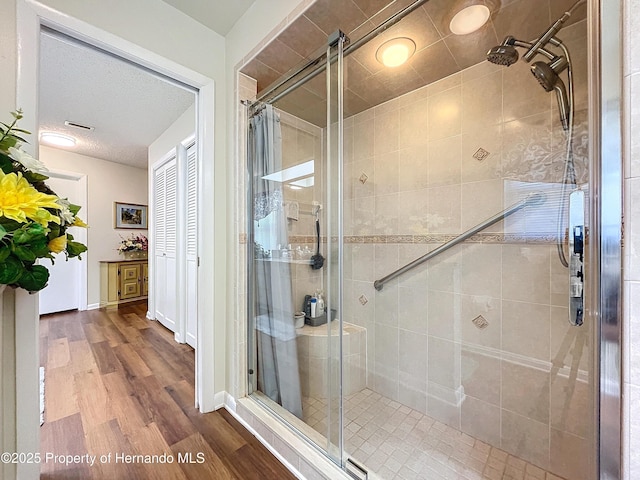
x,y
171,177
160,267
165,279
192,245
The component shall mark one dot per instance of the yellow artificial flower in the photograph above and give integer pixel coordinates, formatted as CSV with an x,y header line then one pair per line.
x,y
58,244
20,201
79,223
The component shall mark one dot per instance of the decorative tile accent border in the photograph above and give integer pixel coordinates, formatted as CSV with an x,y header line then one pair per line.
x,y
422,239
444,237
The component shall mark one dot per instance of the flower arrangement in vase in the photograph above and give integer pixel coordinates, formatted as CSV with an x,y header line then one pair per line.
x,y
136,246
33,219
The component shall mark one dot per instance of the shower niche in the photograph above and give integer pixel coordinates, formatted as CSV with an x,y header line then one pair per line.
x,y
444,185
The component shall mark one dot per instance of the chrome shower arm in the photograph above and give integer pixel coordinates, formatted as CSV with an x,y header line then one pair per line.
x,y
546,37
528,46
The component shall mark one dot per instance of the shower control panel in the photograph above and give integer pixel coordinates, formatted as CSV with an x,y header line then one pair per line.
x,y
576,257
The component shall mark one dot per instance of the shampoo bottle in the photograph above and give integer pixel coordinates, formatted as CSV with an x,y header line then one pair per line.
x,y
314,306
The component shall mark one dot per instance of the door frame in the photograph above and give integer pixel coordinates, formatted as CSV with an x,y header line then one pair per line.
x,y
31,16
80,234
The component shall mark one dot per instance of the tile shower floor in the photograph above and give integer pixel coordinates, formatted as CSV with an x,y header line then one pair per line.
x,y
398,443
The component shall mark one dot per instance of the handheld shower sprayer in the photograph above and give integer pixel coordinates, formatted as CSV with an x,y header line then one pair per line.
x,y
547,75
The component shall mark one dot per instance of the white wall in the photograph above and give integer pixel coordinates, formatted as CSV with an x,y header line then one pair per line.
x,y
178,131
159,36
19,429
108,182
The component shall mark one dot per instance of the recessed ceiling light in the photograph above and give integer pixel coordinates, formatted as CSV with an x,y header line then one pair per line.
x,y
396,51
57,139
469,19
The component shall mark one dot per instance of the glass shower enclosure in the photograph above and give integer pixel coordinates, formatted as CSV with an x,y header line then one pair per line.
x,y
418,255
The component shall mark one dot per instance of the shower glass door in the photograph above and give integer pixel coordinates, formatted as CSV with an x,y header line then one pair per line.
x,y
476,363
295,255
437,209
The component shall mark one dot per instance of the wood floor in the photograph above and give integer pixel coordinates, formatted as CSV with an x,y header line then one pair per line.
x,y
118,385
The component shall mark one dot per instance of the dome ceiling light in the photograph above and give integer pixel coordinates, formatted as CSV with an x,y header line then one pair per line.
x,y
469,19
57,139
395,52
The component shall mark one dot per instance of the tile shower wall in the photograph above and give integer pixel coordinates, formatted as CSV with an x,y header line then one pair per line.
x,y
477,338
301,142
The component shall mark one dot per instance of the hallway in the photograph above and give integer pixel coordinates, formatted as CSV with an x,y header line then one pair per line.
x,y
119,392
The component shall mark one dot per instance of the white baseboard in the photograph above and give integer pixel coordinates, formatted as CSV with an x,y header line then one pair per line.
x,y
229,401
93,306
219,400
149,316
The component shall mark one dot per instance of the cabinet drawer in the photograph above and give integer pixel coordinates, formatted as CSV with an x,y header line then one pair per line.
x,y
129,289
130,272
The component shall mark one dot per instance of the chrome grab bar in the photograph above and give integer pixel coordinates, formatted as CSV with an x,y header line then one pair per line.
x,y
531,199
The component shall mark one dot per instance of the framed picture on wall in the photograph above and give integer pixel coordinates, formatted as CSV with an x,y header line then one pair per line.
x,y
130,215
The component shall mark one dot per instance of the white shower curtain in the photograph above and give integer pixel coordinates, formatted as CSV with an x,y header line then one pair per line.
x,y
277,358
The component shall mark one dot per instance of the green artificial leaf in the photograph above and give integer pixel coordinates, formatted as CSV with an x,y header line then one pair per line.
x,y
21,130
40,247
3,232
21,237
24,253
29,233
7,142
34,278
10,225
55,231
74,249
6,164
33,177
17,137
5,251
11,270
74,208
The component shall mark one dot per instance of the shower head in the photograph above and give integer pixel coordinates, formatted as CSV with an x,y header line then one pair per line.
x,y
548,73
504,54
545,75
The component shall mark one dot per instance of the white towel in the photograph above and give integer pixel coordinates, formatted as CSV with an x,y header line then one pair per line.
x,y
292,209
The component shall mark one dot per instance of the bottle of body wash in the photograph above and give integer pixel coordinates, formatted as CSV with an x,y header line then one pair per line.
x,y
314,306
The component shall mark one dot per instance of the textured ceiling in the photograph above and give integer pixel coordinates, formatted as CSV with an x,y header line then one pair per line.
x,y
218,15
439,53
128,106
